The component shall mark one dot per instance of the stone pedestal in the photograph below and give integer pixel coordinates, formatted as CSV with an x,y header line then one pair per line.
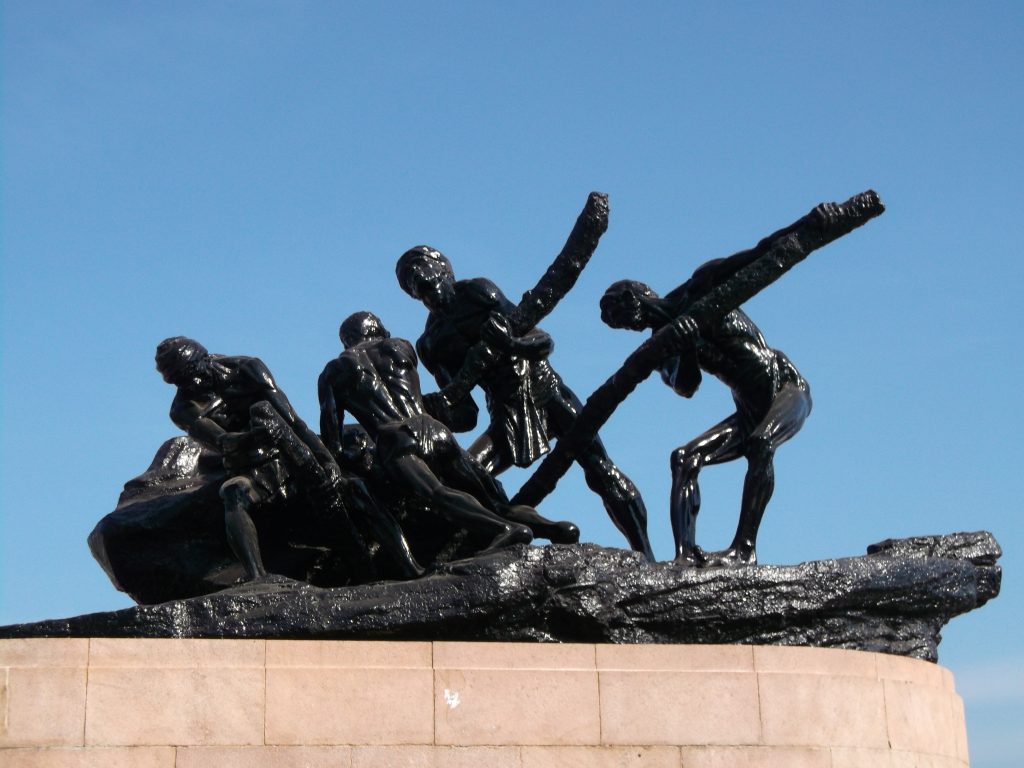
x,y
349,704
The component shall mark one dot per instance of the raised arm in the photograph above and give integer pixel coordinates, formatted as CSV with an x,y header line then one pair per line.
x,y
716,271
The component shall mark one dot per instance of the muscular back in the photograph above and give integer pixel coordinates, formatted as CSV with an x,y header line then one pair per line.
x,y
737,354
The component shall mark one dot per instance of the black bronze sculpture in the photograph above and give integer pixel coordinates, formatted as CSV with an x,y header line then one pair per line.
x,y
233,406
251,483
895,600
474,335
772,401
699,325
375,379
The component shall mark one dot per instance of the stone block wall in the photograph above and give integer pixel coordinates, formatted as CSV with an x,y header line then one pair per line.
x,y
84,703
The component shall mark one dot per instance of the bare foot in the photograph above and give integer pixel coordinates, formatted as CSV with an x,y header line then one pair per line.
x,y
564,532
513,534
734,557
692,557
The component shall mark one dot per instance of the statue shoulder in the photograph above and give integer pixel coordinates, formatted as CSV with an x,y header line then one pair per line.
x,y
483,293
252,368
333,369
399,347
738,323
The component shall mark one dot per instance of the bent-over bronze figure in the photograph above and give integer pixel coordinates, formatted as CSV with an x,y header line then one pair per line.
x,y
375,379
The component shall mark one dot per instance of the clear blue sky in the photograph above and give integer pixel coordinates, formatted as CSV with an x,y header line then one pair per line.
x,y
247,173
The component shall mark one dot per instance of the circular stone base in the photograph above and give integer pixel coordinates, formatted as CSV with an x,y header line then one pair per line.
x,y
344,704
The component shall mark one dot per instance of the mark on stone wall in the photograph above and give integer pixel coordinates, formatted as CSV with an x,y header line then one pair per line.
x,y
451,698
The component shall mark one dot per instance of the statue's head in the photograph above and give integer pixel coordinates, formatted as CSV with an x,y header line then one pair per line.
x,y
361,326
181,361
426,274
625,305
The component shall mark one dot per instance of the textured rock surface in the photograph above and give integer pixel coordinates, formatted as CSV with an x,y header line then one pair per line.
x,y
166,541
894,600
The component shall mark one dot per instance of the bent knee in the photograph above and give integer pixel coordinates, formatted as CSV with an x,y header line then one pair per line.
x,y
239,490
683,460
759,448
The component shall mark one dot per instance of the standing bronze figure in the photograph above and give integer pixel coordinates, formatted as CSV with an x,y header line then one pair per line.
x,y
527,400
699,325
772,401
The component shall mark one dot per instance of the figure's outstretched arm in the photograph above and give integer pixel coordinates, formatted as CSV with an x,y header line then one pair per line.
x,y
717,271
711,273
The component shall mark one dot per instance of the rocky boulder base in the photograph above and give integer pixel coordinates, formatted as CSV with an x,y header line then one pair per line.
x,y
895,599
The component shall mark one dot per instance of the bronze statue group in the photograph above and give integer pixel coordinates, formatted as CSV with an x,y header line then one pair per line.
x,y
402,453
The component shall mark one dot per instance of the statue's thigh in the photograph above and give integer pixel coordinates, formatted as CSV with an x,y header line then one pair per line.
x,y
787,414
722,443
